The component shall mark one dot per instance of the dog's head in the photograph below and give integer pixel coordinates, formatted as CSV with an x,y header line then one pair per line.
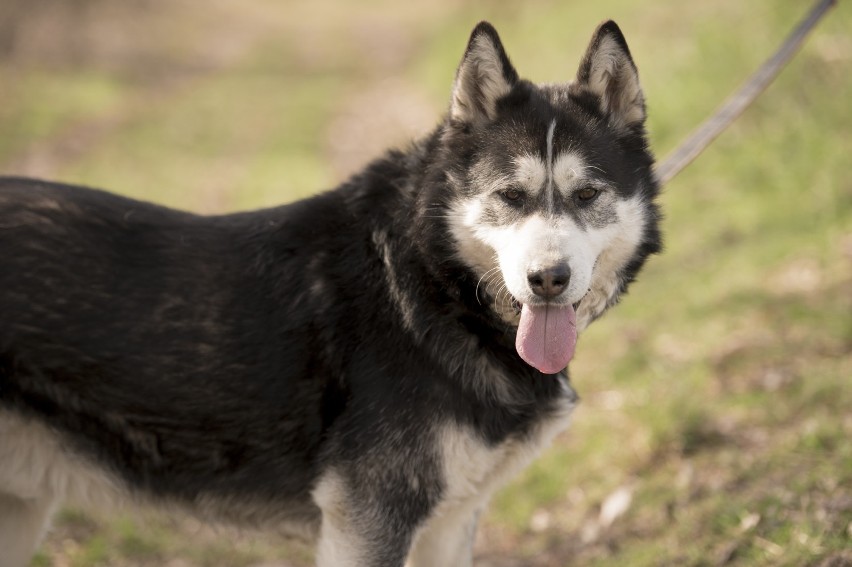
x,y
552,188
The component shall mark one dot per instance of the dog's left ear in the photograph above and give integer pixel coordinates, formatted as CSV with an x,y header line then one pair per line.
x,y
485,75
607,71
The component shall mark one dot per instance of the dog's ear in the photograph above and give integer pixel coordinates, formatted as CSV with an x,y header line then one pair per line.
x,y
607,71
483,77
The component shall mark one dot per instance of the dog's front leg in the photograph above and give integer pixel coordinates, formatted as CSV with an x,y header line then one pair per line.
x,y
22,524
446,540
362,528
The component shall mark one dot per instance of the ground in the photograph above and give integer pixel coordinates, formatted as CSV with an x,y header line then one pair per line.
x,y
717,411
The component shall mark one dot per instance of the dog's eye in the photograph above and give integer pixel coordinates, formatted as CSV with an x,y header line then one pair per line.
x,y
512,195
586,195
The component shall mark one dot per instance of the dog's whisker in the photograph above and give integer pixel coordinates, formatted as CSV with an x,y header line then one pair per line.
x,y
485,277
488,279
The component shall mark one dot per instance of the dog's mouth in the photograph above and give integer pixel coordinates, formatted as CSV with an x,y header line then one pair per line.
x,y
516,305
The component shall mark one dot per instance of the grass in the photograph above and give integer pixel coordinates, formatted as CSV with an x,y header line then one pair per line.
x,y
716,396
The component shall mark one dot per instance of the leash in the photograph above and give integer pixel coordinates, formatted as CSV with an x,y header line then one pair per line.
x,y
702,136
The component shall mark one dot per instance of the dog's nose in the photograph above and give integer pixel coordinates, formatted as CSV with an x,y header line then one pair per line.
x,y
549,282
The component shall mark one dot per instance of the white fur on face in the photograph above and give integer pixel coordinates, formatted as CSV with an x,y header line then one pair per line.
x,y
530,173
540,242
504,255
623,238
568,170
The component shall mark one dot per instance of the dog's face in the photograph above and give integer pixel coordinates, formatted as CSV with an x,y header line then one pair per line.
x,y
553,190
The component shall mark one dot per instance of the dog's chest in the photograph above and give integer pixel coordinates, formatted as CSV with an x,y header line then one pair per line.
x,y
473,469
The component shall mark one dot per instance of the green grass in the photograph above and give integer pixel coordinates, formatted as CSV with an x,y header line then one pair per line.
x,y
38,105
717,393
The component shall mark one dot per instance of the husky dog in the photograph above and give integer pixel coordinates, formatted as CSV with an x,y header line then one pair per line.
x,y
363,368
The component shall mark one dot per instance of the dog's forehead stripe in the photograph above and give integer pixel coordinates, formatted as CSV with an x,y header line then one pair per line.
x,y
556,173
549,188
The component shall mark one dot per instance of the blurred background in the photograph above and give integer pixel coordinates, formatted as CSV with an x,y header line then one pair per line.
x,y
717,407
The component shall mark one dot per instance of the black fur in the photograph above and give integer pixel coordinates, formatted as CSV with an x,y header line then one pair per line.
x,y
230,353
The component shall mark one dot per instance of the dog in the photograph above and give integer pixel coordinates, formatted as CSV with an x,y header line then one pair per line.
x,y
363,368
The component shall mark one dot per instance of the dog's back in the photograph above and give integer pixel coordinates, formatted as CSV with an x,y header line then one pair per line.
x,y
162,345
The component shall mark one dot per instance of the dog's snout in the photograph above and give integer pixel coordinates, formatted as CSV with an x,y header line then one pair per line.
x,y
549,282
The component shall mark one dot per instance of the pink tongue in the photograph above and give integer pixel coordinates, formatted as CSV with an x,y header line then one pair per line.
x,y
547,336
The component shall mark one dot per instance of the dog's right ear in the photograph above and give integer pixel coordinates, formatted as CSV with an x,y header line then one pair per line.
x,y
484,76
